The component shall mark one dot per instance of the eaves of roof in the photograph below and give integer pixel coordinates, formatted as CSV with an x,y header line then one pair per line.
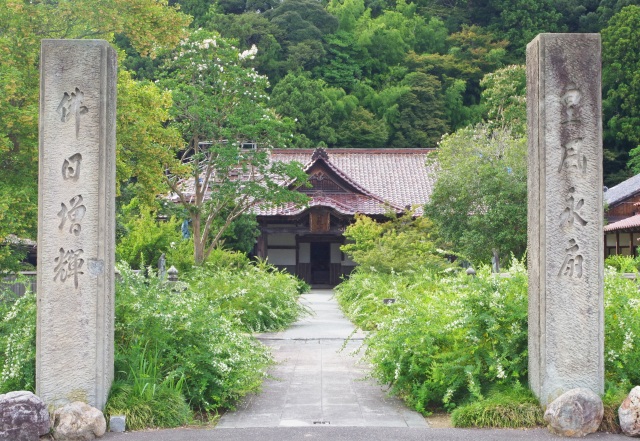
x,y
629,223
622,191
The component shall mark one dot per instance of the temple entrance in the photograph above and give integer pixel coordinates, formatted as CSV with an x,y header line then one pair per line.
x,y
320,254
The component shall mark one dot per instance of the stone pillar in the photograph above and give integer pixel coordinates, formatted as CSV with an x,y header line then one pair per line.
x,y
76,222
566,314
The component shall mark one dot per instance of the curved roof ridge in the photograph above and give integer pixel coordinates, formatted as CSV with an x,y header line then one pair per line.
x,y
321,154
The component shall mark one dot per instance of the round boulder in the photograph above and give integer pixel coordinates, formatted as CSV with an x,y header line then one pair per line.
x,y
23,417
629,413
78,421
575,413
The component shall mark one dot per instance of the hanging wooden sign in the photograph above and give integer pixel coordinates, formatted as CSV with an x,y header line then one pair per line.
x,y
319,221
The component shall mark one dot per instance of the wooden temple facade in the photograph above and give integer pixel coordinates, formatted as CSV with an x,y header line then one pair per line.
x,y
306,241
622,231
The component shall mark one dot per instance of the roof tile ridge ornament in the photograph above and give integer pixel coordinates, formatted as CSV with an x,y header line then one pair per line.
x,y
319,152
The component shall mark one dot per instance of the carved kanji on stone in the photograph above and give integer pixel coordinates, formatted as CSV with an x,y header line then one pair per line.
x,y
74,214
68,264
71,106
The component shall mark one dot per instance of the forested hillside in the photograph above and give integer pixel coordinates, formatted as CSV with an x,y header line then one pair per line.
x,y
399,73
342,73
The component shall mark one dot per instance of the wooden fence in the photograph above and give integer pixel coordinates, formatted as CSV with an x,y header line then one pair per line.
x,y
11,282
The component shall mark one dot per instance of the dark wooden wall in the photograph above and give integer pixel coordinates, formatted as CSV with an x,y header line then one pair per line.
x,y
627,208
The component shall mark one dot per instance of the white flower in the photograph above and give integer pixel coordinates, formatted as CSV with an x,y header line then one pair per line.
x,y
500,370
249,53
205,43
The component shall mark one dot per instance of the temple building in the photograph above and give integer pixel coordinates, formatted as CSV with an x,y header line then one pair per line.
x,y
622,215
306,240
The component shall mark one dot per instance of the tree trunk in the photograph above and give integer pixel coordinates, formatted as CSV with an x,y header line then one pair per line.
x,y
198,242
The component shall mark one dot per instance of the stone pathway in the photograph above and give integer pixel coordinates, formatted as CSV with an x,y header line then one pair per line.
x,y
315,383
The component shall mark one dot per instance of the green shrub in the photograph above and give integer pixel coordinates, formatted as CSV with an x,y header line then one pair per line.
x,y
180,255
622,329
220,363
623,264
404,244
145,238
614,395
361,298
516,408
17,341
259,297
447,339
174,341
450,339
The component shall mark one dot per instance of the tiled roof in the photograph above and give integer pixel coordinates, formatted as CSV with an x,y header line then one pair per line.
x,y
382,179
399,177
622,191
624,224
346,204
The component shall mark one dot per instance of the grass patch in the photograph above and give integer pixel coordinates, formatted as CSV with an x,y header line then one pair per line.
x,y
146,399
612,400
501,409
520,409
165,407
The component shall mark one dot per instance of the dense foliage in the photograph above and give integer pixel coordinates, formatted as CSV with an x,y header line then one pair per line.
x,y
198,329
401,244
479,199
342,73
431,52
446,339
143,239
621,87
180,347
148,25
479,202
17,340
449,339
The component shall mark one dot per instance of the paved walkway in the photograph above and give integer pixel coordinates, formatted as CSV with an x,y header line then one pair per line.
x,y
317,381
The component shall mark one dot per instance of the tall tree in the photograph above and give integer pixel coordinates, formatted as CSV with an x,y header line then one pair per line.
x,y
478,202
252,28
621,87
148,24
362,129
144,138
303,99
301,20
421,113
504,98
220,108
519,21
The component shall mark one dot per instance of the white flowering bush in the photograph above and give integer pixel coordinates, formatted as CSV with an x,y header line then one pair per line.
x,y
17,341
199,329
452,339
622,330
258,297
447,338
179,347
